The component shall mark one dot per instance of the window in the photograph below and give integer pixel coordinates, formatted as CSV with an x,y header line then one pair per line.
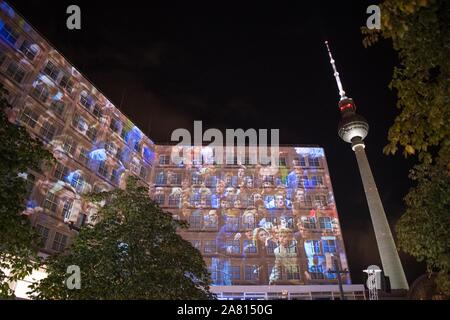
x,y
308,202
69,145
176,178
115,126
51,202
79,123
249,247
97,111
282,161
66,83
293,272
313,161
317,181
233,246
309,222
59,242
61,172
41,93
321,200
15,71
312,247
325,223
47,130
211,182
115,176
86,100
58,107
29,117
235,273
195,220
316,272
43,233
102,169
231,224
174,200
164,159
161,178
110,147
83,219
92,133
51,70
268,180
251,273
271,245
196,178
159,199
9,34
29,50
209,246
84,158
67,208
77,182
329,246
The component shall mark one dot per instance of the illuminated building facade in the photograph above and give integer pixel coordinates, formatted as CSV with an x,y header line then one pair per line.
x,y
265,230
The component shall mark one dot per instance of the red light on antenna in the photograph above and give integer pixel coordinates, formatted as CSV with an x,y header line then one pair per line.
x,y
346,106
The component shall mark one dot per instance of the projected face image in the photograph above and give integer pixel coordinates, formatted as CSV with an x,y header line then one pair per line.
x,y
256,234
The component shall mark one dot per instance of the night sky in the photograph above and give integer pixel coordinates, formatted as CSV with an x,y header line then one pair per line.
x,y
259,65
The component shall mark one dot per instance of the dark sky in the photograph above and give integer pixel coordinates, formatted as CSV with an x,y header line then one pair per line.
x,y
253,65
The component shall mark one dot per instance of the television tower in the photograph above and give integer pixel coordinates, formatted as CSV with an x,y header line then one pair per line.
x,y
353,128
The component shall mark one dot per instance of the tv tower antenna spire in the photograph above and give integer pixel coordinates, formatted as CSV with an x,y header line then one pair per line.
x,y
336,73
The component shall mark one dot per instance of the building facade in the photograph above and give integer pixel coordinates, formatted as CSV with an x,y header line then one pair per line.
x,y
257,227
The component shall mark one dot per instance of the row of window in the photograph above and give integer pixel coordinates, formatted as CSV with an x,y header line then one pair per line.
x,y
30,50
312,247
225,275
310,161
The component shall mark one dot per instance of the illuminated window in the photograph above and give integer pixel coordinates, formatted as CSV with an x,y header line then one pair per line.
x,y
86,100
293,272
160,199
67,208
195,199
103,169
43,233
231,223
329,246
58,107
61,172
251,273
77,182
51,70
233,246
28,49
47,130
29,117
175,178
312,247
309,222
41,93
196,178
209,246
97,111
9,34
325,223
269,180
235,273
313,161
69,145
161,178
321,200
115,176
249,247
79,123
316,272
195,220
271,247
174,200
92,133
51,202
308,202
115,126
164,159
59,242
110,147
211,182
282,161
84,158
66,83
317,181
15,71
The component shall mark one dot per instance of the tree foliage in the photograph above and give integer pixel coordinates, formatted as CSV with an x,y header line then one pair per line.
x,y
132,251
18,242
419,31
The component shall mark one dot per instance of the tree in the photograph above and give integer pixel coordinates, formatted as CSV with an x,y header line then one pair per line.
x,y
18,242
132,251
419,31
